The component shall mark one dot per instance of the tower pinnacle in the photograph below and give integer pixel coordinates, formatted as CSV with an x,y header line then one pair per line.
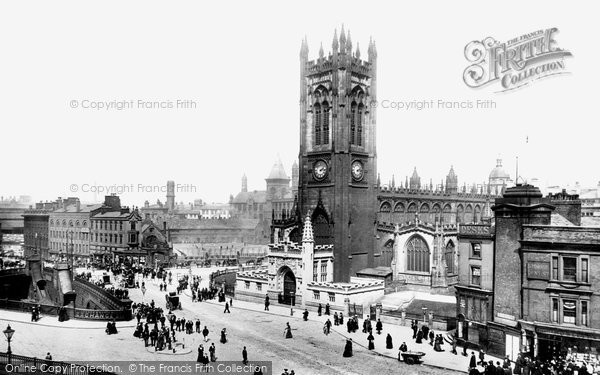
x,y
307,232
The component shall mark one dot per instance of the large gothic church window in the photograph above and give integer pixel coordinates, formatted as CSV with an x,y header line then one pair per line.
x,y
317,112
417,253
449,255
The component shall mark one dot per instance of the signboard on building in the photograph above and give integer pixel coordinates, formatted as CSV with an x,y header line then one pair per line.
x,y
538,270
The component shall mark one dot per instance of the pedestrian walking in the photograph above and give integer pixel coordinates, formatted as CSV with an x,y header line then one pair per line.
x,y
200,357
267,303
379,326
341,319
223,336
388,342
245,356
305,315
327,309
335,319
319,309
212,350
205,333
327,327
348,348
226,308
370,338
473,361
288,331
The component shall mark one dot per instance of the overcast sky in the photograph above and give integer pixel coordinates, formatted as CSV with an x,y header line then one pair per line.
x,y
239,62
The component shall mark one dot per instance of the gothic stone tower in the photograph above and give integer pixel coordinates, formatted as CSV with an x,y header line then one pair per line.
x,y
338,160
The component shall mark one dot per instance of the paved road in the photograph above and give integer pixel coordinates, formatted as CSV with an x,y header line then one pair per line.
x,y
309,352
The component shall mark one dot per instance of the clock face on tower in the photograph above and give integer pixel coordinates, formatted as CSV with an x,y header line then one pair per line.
x,y
357,170
320,169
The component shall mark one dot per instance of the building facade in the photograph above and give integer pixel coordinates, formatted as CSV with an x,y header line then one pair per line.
x,y
115,233
69,230
474,290
36,229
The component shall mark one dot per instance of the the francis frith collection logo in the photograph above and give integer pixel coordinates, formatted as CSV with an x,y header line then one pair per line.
x,y
514,63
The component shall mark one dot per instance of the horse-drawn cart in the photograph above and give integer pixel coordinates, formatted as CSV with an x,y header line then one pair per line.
x,y
172,301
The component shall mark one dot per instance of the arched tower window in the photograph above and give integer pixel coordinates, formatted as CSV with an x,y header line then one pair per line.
x,y
317,109
449,255
417,253
353,108
359,125
325,115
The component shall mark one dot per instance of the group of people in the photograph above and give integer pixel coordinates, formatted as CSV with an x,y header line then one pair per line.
x,y
204,357
111,328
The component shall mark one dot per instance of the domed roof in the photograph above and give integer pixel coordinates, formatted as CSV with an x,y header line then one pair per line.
x,y
499,172
278,172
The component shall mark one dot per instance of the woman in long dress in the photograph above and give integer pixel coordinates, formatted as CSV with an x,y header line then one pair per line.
x,y
288,331
200,354
223,336
348,348
371,339
388,342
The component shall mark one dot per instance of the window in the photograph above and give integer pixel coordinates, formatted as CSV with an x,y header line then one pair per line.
x,y
323,277
555,268
475,275
120,225
325,123
323,267
317,124
359,125
316,295
569,311
259,286
584,313
554,310
331,297
352,123
569,269
450,258
247,284
584,270
475,250
417,254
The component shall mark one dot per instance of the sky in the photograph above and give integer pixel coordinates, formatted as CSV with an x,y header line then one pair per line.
x,y
237,63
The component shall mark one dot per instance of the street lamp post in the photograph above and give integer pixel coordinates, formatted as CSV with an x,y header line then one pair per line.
x,y
9,332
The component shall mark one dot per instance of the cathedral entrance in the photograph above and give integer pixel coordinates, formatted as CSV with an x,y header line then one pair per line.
x,y
289,288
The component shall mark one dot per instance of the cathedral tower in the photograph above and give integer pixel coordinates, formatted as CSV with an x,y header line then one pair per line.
x,y
337,159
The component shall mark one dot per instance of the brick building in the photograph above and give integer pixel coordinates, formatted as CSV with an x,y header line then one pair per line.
x,y
36,228
115,233
474,290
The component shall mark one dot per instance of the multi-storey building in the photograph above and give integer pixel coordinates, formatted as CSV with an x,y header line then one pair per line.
x,y
474,290
69,230
115,233
36,228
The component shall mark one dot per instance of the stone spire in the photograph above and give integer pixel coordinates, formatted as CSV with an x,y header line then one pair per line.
x,y
342,40
321,53
357,51
244,183
393,182
335,43
349,44
307,232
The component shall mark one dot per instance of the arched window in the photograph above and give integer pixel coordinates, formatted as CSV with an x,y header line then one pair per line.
x,y
449,255
417,253
353,109
317,110
460,214
325,123
385,207
359,125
